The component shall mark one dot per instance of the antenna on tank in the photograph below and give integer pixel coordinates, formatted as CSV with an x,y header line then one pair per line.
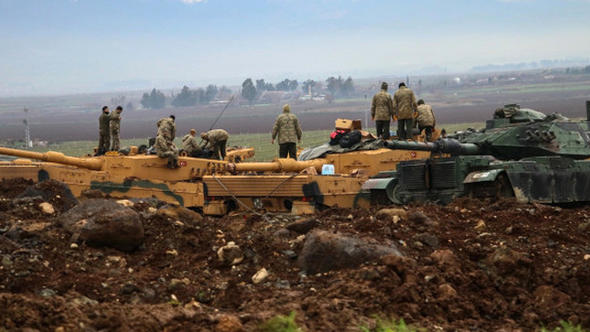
x,y
28,142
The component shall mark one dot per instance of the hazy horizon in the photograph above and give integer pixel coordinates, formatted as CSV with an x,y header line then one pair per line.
x,y
83,46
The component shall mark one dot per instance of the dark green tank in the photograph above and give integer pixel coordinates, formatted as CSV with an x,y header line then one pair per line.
x,y
521,153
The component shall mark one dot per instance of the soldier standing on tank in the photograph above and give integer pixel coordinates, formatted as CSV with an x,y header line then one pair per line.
x,y
104,140
190,144
404,106
216,139
287,128
426,119
382,111
115,126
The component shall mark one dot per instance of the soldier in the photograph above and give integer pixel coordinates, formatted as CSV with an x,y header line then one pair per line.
x,y
404,106
190,144
426,120
104,140
115,125
287,128
167,127
216,140
165,148
382,111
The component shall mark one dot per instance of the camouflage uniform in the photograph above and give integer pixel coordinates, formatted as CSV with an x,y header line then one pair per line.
x,y
216,140
115,125
165,148
382,112
190,145
287,128
404,106
426,120
104,140
167,128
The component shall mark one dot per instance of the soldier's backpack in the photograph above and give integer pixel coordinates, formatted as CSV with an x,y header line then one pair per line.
x,y
351,139
336,135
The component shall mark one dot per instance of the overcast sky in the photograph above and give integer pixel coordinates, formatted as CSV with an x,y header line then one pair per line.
x,y
72,46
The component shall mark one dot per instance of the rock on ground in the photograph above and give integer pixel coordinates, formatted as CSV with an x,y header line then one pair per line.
x,y
102,222
324,251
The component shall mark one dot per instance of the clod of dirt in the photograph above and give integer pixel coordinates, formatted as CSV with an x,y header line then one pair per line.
x,y
393,213
303,226
102,222
54,192
324,251
229,323
260,276
47,208
179,213
230,254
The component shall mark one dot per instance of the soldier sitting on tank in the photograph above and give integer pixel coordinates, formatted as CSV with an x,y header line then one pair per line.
x,y
191,146
426,119
216,140
165,148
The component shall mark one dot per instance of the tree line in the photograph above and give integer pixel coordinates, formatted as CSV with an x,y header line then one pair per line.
x,y
335,87
156,99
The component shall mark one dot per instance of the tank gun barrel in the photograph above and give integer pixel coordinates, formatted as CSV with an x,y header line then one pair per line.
x,y
55,157
278,165
450,146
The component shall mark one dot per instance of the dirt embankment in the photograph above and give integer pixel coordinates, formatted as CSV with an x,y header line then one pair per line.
x,y
471,265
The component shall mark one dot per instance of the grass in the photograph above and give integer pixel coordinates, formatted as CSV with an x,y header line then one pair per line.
x,y
566,327
261,142
390,326
281,323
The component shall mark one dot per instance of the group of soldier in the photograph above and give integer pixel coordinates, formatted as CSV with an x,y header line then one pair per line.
x,y
109,127
215,142
403,108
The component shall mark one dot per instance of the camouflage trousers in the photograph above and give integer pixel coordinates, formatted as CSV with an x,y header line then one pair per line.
x,y
115,140
104,142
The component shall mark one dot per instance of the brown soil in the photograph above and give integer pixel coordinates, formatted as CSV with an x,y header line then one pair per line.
x,y
471,265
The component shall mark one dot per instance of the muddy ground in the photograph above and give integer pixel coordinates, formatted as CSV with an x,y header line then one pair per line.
x,y
468,266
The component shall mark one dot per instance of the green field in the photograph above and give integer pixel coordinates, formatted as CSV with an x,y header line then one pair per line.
x,y
261,142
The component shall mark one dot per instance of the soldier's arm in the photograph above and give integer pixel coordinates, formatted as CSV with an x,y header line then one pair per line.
x,y
275,129
390,106
298,129
373,107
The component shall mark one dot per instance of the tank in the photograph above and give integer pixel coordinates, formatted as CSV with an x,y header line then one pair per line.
x,y
521,153
134,175
217,187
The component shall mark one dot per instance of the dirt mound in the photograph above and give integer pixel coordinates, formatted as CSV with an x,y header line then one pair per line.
x,y
472,264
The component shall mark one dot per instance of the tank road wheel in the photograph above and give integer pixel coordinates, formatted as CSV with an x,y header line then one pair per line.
x,y
393,193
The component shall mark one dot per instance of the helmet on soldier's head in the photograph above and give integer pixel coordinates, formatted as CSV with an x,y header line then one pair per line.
x,y
384,86
204,135
193,132
286,108
420,102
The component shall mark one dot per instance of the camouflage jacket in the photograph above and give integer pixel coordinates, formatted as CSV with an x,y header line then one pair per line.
x,y
382,106
215,136
190,144
103,124
162,144
404,103
115,121
287,128
425,116
167,128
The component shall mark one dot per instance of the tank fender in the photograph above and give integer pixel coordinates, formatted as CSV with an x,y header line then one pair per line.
x,y
378,183
483,176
